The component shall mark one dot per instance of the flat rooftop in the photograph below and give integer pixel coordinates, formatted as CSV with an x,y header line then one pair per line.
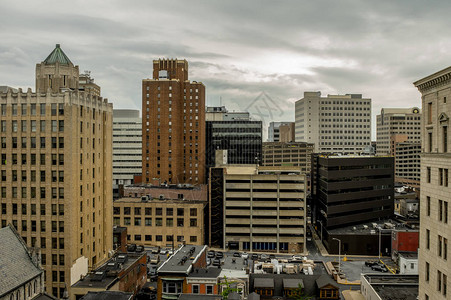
x,y
155,200
106,275
182,259
367,228
394,287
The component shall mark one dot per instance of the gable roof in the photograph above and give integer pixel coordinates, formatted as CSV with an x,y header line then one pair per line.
x,y
57,55
325,280
292,283
264,283
16,265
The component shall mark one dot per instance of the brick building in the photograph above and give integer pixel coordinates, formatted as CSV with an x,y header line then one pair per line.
x,y
56,171
173,125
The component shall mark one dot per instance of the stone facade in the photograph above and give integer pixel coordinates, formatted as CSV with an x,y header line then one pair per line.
x,y
158,222
435,225
57,172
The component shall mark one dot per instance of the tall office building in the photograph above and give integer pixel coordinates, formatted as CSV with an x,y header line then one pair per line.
x,y
397,125
56,171
335,124
288,154
127,148
435,226
398,135
234,132
173,125
281,132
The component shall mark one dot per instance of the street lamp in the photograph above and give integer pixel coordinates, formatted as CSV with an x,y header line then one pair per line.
x,y
339,254
380,230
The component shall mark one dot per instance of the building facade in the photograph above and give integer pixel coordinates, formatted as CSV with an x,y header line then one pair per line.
x,y
257,208
173,128
234,132
281,132
335,124
57,171
351,189
435,228
397,125
161,222
127,148
295,154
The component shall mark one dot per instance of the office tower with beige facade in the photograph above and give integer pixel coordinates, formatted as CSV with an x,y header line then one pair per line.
x,y
173,128
295,154
56,171
435,198
335,124
398,134
281,132
127,148
397,125
255,208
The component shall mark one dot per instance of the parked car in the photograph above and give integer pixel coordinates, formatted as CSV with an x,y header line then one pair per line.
x,y
244,255
131,248
370,263
236,254
211,254
208,261
380,268
216,262
264,256
254,256
272,256
156,250
139,248
219,254
296,257
155,259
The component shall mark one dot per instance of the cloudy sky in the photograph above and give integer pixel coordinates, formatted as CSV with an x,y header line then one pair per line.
x,y
240,50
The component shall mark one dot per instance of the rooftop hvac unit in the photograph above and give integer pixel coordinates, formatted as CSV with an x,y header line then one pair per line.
x,y
161,197
365,226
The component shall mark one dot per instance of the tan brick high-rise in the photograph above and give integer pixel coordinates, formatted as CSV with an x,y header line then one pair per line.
x,y
56,171
173,125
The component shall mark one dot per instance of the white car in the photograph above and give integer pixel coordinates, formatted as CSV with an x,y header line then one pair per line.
x,y
296,257
244,255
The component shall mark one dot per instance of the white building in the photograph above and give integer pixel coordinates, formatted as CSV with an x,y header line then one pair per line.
x,y
335,124
127,147
408,263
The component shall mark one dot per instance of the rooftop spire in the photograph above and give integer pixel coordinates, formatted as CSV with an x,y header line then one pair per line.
x,y
57,55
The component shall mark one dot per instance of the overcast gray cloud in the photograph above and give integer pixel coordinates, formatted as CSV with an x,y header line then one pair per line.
x,y
238,49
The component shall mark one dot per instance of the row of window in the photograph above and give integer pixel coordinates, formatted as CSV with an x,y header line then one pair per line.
x,y
159,238
54,109
55,142
57,176
56,126
55,192
158,222
56,209
158,211
443,176
441,280
56,226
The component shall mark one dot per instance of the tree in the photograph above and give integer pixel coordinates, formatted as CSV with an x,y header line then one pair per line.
x,y
299,294
228,288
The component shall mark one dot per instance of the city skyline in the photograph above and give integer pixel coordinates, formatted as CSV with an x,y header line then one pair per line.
x,y
353,47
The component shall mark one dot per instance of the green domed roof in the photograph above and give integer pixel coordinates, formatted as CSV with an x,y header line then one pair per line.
x,y
57,55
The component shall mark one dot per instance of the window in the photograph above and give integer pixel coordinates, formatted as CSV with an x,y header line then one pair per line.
x,y
137,237
116,210
428,242
180,222
445,139
137,221
209,289
428,174
172,287
180,212
430,141
148,237
148,221
439,281
195,289
428,206
148,211
440,210
440,176
193,212
169,222
158,222
159,211
138,211
126,210
193,222
193,239
127,221
159,238
169,211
